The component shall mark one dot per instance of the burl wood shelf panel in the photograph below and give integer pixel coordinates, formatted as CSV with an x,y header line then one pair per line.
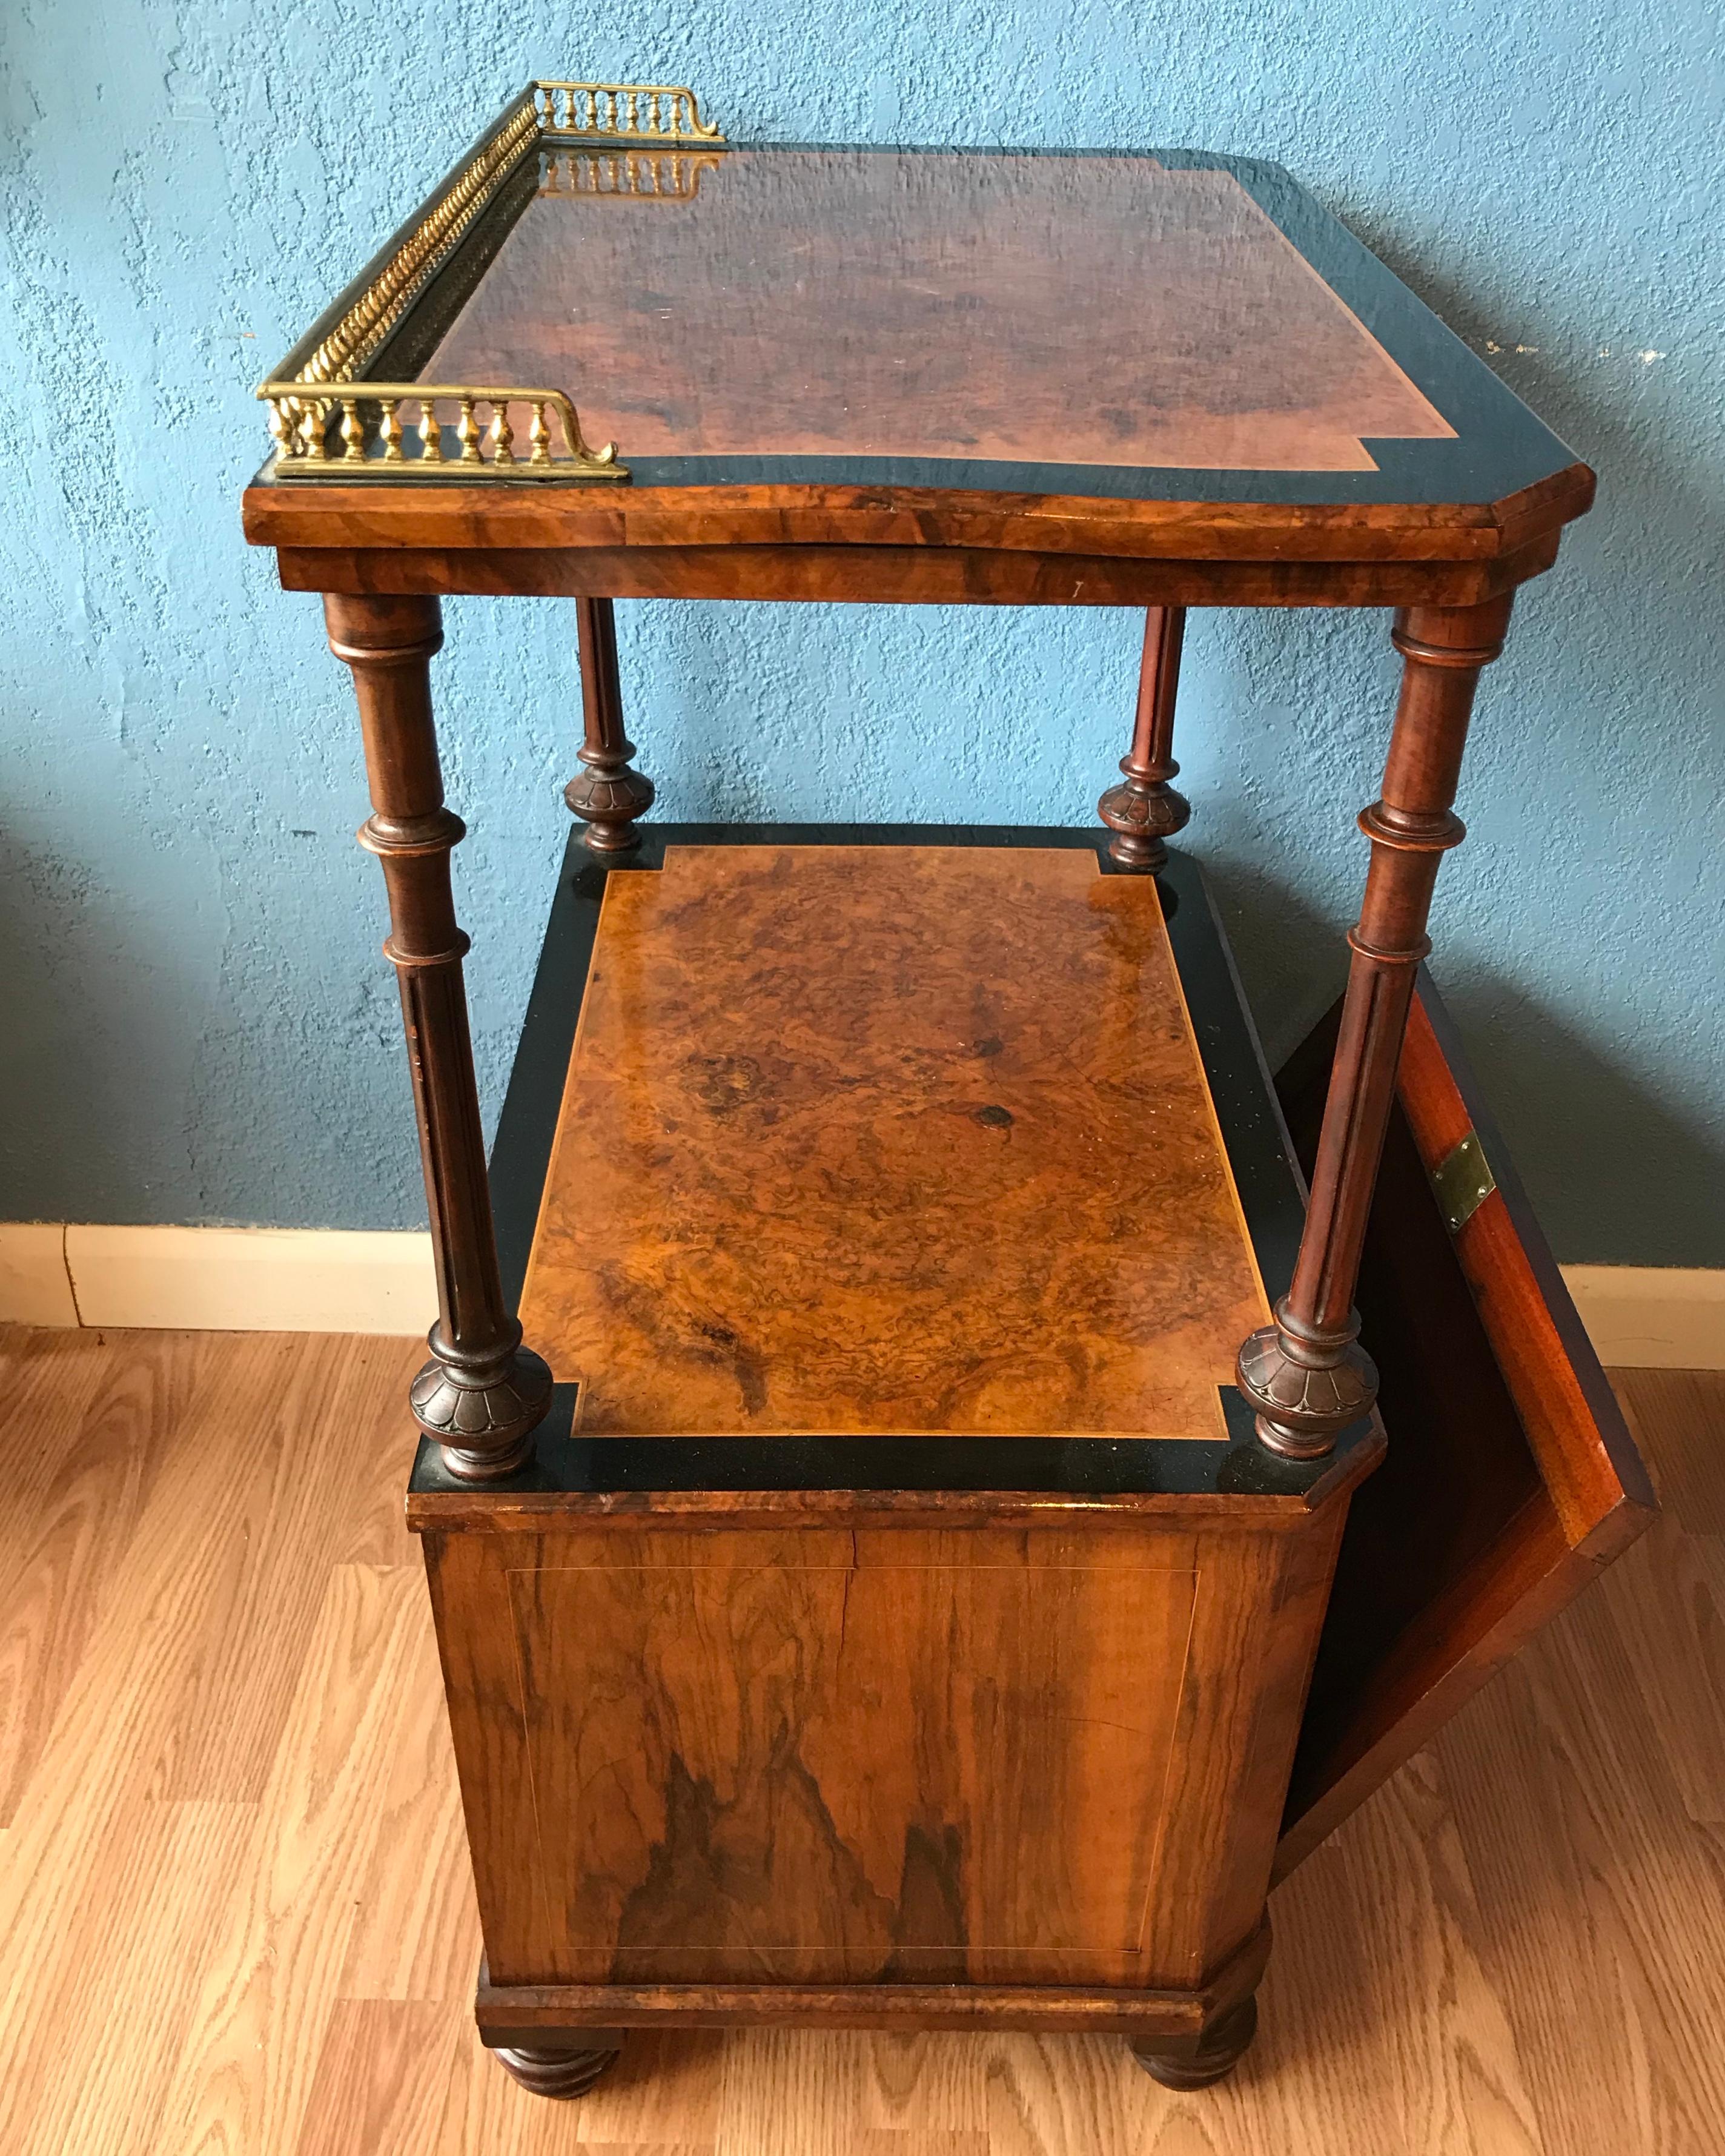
x,y
868,1139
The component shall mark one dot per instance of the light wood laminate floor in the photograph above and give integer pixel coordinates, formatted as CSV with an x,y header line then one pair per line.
x,y
235,1915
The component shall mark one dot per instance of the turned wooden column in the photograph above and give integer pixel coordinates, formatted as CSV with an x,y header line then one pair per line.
x,y
610,794
1143,810
1305,1375
482,1393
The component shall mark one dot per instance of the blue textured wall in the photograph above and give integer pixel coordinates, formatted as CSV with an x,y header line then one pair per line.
x,y
198,1026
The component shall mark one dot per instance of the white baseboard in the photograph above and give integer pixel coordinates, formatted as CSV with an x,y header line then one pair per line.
x,y
35,1287
1652,1317
330,1279
245,1280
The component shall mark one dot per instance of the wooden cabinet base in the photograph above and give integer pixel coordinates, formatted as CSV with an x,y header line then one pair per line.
x,y
900,1624
536,2016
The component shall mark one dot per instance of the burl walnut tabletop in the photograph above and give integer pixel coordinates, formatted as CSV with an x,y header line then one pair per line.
x,y
929,306
1091,378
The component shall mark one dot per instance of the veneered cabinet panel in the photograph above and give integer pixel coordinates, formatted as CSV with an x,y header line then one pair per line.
x,y
917,1764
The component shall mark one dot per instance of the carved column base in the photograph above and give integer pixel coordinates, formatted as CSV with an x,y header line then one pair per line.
x,y
1305,1387
562,2074
1193,2062
608,797
1142,813
483,1414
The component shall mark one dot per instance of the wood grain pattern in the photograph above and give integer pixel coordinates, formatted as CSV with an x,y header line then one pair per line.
x,y
865,1762
510,523
1518,1938
273,1962
82,1485
822,1169
1089,310
700,1809
927,575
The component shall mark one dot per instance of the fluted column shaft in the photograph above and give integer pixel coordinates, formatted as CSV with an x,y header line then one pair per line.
x,y
1305,1375
482,1393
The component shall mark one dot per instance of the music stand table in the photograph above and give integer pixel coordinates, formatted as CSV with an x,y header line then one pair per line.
x,y
943,1546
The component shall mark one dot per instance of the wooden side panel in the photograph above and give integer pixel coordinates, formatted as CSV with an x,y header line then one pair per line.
x,y
336,546
482,1683
902,1755
1511,1480
780,1759
1260,1609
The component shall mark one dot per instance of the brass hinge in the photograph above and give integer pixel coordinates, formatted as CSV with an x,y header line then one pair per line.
x,y
1462,1182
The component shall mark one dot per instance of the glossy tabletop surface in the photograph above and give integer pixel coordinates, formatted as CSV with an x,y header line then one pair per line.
x,y
1167,325
905,1141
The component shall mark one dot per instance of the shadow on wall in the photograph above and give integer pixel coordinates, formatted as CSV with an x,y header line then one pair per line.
x,y
1627,458
81,1084
1583,1128
1293,963
1580,1126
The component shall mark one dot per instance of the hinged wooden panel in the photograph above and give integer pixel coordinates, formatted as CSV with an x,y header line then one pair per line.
x,y
1511,1479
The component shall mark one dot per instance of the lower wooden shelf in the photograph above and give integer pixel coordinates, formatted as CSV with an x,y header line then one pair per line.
x,y
906,1140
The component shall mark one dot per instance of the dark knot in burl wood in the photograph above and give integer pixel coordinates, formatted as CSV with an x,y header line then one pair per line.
x,y
1305,1385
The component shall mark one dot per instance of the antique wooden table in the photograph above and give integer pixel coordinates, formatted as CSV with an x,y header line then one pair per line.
x,y
945,1548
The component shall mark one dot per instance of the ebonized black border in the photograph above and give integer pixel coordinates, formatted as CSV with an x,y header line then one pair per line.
x,y
1270,1190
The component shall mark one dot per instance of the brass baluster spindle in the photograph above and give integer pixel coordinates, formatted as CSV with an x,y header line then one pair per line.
x,y
281,430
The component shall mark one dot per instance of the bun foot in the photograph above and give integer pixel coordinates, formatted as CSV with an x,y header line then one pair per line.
x,y
1193,2062
562,2074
